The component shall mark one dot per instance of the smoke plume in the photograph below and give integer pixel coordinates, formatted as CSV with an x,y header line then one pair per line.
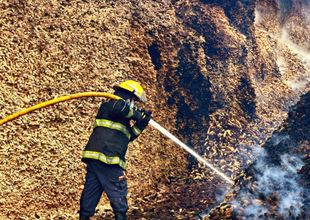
x,y
276,192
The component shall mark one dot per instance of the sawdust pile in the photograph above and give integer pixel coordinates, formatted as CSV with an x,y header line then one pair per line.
x,y
219,74
54,48
277,184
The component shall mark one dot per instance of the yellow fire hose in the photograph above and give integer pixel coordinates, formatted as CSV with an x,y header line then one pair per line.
x,y
111,96
56,100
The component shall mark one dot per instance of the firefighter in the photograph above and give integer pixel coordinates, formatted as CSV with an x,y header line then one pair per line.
x,y
118,122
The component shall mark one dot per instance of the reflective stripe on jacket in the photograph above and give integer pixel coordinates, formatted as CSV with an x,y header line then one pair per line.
x,y
111,134
103,158
113,125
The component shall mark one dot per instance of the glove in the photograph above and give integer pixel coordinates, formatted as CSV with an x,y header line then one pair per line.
x,y
145,119
137,115
146,115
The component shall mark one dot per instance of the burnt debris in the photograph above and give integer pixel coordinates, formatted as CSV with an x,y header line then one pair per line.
x,y
277,184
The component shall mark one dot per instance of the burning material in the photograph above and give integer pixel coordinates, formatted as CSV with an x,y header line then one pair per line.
x,y
274,191
277,184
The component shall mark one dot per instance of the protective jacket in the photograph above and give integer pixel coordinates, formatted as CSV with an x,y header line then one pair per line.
x,y
112,132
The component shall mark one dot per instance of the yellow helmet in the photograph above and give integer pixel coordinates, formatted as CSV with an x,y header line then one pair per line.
x,y
134,87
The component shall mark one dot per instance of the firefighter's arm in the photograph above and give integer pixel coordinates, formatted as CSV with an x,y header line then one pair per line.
x,y
140,124
121,108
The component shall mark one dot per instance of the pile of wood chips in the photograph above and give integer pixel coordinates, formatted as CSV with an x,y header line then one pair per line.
x,y
59,47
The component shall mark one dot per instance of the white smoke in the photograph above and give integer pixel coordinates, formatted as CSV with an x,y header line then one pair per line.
x,y
299,8
282,65
298,84
306,14
298,81
220,193
303,80
279,182
295,48
255,210
278,138
258,16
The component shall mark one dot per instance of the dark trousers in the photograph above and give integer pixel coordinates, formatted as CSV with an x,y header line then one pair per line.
x,y
101,178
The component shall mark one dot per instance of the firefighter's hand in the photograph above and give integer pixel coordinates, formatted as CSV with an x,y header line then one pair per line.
x,y
146,112
146,117
137,115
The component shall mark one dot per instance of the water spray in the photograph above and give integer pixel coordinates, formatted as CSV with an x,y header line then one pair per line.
x,y
189,150
111,96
